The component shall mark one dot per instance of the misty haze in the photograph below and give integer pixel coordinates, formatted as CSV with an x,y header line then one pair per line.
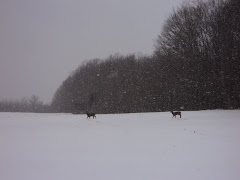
x,y
102,62
116,89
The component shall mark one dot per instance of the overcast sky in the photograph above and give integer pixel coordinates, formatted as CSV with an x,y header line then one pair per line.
x,y
43,41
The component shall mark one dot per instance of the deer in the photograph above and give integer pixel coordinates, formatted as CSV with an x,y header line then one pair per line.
x,y
176,113
91,114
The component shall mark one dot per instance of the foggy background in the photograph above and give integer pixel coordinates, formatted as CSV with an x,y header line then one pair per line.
x,y
43,41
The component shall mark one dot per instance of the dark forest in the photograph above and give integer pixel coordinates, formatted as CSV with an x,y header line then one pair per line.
x,y
194,66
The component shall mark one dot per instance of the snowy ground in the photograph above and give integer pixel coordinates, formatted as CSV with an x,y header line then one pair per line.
x,y
203,145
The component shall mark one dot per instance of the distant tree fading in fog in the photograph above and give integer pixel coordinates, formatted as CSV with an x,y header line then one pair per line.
x,y
24,105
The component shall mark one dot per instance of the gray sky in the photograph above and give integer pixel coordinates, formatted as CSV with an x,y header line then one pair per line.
x,y
43,41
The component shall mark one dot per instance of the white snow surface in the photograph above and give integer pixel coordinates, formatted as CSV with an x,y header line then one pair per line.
x,y
202,145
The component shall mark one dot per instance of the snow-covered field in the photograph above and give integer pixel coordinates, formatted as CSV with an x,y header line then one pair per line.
x,y
202,145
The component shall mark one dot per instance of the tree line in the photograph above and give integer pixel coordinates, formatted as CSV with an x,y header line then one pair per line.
x,y
195,65
25,105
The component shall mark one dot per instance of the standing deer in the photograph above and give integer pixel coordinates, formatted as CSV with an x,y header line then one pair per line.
x,y
91,114
176,113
